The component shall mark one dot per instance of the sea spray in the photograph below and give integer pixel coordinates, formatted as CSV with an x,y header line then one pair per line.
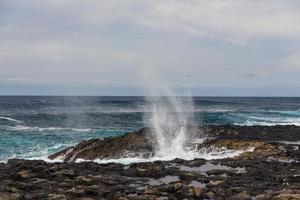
x,y
169,120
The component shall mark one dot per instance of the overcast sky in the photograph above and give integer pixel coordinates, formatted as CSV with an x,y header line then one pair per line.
x,y
123,47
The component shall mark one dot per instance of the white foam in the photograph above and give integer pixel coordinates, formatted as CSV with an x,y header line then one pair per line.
x,y
205,153
40,129
10,119
270,121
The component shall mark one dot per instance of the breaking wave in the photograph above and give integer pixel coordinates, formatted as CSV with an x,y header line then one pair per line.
x,y
9,119
41,129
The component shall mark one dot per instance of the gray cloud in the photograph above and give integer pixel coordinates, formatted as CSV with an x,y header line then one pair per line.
x,y
112,44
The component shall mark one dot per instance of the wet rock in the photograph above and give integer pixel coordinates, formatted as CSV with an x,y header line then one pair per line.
x,y
241,196
15,196
112,147
83,180
271,171
210,195
216,183
199,192
65,173
23,174
4,196
56,197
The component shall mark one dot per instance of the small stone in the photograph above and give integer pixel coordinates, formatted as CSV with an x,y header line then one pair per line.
x,y
39,180
14,196
83,180
166,188
56,197
162,198
214,183
122,198
23,174
66,172
198,191
261,197
149,191
177,186
12,189
190,192
210,195
287,197
4,196
241,196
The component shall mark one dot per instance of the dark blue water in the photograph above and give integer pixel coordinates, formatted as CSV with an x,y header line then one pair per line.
x,y
38,126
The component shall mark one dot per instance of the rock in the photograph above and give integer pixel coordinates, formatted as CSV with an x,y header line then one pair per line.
x,y
23,174
111,147
65,172
83,180
92,190
15,162
287,197
199,192
210,195
150,191
56,197
14,196
241,196
177,186
4,196
263,177
215,183
190,192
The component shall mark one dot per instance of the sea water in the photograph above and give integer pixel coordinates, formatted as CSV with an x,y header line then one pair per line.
x,y
34,127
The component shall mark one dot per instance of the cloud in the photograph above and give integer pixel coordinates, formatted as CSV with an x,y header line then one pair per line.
x,y
136,43
292,60
228,19
250,75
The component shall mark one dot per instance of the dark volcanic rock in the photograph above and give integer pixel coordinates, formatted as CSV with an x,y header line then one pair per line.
x,y
261,133
229,136
135,143
270,171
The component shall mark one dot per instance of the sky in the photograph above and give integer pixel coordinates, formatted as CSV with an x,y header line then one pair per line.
x,y
125,47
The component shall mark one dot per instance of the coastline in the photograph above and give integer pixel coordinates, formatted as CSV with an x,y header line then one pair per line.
x,y
270,171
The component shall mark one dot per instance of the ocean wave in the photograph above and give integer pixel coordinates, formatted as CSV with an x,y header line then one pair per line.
x,y
214,110
270,122
10,119
42,129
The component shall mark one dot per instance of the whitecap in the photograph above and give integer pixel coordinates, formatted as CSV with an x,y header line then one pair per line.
x,y
10,119
42,129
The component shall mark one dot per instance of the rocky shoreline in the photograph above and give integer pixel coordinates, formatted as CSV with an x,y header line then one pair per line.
x,y
271,170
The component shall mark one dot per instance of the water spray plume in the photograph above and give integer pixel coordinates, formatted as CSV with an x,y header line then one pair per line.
x,y
169,123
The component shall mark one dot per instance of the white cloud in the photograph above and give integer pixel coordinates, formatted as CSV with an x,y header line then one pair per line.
x,y
229,19
292,60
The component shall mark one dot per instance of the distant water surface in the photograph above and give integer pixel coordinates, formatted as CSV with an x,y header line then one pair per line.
x,y
33,127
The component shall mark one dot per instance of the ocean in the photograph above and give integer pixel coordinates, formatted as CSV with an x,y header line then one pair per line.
x,y
37,126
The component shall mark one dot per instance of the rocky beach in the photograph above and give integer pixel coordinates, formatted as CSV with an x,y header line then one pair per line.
x,y
266,166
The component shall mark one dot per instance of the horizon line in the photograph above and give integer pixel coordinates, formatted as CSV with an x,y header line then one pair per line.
x,y
211,96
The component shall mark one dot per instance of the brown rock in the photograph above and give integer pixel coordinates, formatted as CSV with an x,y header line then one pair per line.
x,y
215,183
57,197
24,174
83,180
177,186
198,191
241,196
4,196
15,196
287,197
